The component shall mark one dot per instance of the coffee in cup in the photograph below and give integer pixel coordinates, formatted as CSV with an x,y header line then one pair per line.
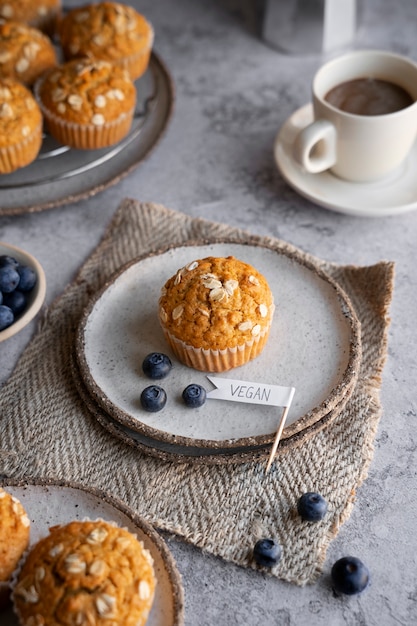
x,y
365,116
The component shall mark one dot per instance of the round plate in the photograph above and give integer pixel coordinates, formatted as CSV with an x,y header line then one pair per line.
x,y
35,298
196,454
61,175
314,346
393,195
51,504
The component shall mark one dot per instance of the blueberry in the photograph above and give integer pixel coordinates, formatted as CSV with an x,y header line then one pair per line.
x,y
194,396
153,398
6,316
9,279
27,278
267,552
1,297
349,575
156,365
16,300
312,507
5,259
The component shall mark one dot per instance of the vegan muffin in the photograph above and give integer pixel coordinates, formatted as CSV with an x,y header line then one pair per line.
x,y
14,539
109,31
25,52
87,103
20,126
41,14
86,572
216,313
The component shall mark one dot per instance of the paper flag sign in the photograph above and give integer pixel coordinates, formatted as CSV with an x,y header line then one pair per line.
x,y
253,393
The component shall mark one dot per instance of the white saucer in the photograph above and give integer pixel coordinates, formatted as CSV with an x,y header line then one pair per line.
x,y
393,195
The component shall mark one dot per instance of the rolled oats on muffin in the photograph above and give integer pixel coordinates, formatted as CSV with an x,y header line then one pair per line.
x,y
20,126
87,103
25,52
41,14
14,539
110,31
216,313
84,573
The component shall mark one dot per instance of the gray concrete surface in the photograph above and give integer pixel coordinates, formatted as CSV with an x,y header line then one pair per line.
x,y
233,94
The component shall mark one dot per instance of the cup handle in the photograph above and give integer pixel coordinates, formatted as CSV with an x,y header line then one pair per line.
x,y
315,146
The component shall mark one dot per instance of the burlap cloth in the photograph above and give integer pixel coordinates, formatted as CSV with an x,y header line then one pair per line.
x,y
47,433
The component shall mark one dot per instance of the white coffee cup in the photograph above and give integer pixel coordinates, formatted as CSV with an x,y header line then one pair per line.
x,y
353,146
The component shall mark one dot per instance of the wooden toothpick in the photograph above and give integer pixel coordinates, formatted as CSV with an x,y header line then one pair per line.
x,y
277,438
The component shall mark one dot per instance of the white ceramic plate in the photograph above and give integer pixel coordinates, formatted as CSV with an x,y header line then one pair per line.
x,y
313,346
395,194
48,505
35,298
60,175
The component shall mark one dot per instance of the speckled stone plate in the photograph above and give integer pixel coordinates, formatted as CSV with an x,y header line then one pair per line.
x,y
51,504
61,175
314,346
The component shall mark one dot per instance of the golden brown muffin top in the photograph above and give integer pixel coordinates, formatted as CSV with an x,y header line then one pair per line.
x,y
87,91
14,533
216,303
107,30
19,112
36,12
25,52
84,573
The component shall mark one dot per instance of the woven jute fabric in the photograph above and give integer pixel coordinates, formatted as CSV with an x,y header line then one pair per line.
x,y
48,434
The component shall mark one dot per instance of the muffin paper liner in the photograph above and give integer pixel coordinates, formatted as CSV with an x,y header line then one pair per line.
x,y
21,154
217,360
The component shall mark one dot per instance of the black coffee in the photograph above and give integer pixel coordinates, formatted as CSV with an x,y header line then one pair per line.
x,y
369,96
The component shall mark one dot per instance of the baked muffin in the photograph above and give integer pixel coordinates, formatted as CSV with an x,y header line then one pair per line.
x,y
25,52
20,126
87,103
41,14
85,572
216,313
109,31
14,539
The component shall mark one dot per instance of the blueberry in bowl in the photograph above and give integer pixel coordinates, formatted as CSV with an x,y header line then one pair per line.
x,y
22,289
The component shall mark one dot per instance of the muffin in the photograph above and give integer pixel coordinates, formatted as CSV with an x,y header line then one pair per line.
x,y
109,31
86,103
85,572
216,313
41,14
14,539
20,126
25,52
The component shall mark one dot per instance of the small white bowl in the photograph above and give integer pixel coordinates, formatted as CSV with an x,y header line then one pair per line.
x,y
36,297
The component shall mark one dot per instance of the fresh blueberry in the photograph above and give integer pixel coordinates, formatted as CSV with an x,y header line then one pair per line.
x,y
6,316
9,279
312,507
153,398
194,396
267,552
27,278
156,365
5,259
16,300
349,575
1,297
